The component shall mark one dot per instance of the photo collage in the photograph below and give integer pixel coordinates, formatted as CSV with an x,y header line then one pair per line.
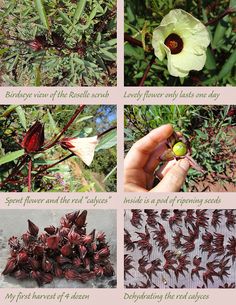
x,y
117,151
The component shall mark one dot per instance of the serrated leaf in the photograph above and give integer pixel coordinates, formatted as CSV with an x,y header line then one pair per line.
x,y
39,4
11,156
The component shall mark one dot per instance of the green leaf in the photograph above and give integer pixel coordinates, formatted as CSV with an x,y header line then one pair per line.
x,y
228,66
21,115
9,110
11,156
105,54
210,60
64,17
53,125
2,51
110,174
79,10
37,73
84,118
107,141
39,4
219,35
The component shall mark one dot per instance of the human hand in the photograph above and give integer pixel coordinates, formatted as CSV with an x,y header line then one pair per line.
x,y
143,158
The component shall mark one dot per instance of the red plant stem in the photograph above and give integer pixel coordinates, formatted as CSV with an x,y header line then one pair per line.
x,y
106,131
228,11
15,171
132,40
52,165
147,71
29,174
199,6
77,112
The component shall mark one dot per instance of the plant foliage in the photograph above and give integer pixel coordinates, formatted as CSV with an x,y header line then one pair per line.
x,y
58,43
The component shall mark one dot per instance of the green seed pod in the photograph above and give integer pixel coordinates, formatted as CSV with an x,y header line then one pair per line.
x,y
180,149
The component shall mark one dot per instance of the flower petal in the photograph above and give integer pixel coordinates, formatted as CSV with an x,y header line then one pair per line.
x,y
84,148
195,42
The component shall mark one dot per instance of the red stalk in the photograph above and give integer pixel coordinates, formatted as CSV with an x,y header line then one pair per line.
x,y
29,174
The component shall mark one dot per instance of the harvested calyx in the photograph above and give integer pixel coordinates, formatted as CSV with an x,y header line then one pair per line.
x,y
66,251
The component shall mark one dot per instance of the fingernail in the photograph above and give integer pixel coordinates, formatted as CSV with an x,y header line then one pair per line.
x,y
184,164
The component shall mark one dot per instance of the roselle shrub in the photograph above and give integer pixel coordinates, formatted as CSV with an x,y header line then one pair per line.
x,y
51,43
67,251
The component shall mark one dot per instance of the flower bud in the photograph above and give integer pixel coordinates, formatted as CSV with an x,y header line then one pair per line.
x,y
34,264
27,238
33,229
77,262
66,250
80,220
10,266
62,260
58,271
72,216
82,251
101,236
14,243
38,250
34,138
38,43
73,237
46,265
22,257
50,230
20,275
46,278
53,242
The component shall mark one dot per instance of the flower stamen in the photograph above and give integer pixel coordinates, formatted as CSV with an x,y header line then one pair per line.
x,y
174,43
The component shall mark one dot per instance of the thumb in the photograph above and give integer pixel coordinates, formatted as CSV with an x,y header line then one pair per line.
x,y
174,179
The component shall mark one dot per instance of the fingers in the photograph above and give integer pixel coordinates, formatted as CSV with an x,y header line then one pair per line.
x,y
154,158
163,170
140,152
174,178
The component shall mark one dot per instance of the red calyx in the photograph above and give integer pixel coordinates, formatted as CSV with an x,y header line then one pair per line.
x,y
34,138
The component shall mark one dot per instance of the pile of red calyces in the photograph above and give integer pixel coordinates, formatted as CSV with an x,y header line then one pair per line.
x,y
67,251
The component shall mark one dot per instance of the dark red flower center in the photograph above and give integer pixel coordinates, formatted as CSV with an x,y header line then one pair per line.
x,y
174,43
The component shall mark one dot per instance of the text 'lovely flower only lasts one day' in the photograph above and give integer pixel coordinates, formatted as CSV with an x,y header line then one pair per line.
x,y
184,40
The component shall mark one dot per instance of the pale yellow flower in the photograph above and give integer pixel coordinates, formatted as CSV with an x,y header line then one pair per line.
x,y
84,148
184,40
